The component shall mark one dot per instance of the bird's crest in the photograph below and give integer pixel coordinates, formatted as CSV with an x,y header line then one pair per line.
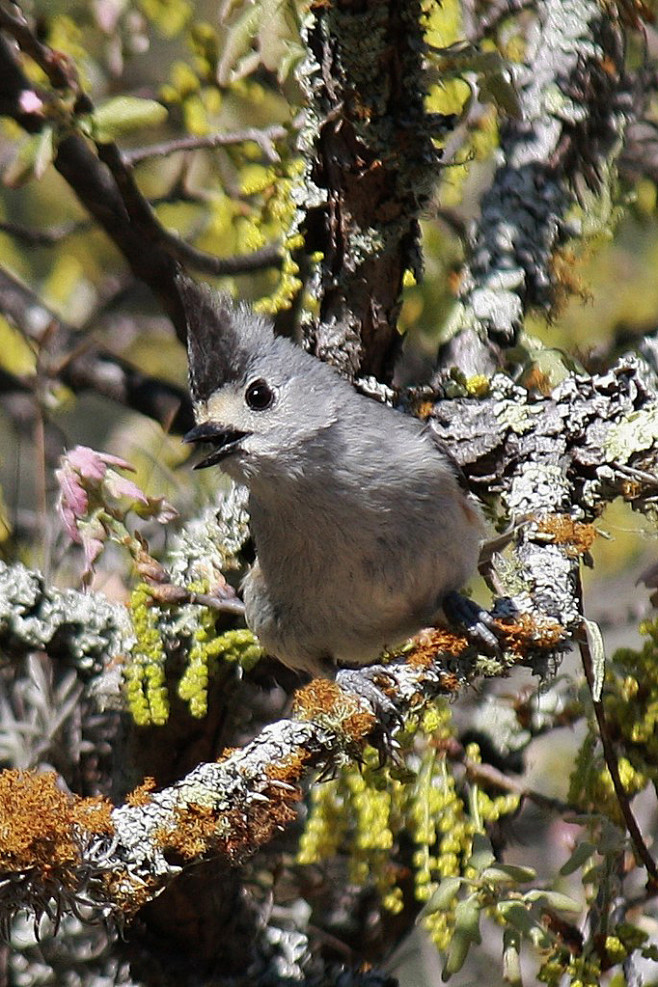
x,y
221,337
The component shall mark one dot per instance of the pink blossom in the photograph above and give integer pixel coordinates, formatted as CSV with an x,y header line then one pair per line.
x,y
92,465
85,475
120,486
29,102
73,501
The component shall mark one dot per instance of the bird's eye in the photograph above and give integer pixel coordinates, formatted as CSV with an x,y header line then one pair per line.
x,y
259,395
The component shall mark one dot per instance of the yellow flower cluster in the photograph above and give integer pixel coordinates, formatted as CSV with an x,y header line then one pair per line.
x,y
144,674
207,650
364,811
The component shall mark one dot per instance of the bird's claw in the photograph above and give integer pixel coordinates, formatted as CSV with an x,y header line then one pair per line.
x,y
477,623
362,683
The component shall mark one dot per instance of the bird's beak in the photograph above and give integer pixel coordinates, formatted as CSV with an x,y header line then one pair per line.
x,y
225,439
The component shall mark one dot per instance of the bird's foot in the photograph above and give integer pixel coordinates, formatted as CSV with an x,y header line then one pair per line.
x,y
369,683
476,622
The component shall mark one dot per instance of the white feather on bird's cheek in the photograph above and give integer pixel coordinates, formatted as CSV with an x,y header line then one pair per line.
x,y
225,407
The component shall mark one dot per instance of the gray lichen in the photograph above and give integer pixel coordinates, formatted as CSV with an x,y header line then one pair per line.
x,y
85,630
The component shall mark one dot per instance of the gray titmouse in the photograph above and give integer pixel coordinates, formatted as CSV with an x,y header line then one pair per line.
x,y
360,524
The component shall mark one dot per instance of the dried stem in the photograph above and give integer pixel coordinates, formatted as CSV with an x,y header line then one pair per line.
x,y
612,763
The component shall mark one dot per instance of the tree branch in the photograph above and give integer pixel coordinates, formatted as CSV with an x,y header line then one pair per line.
x,y
575,104
79,363
105,185
264,138
371,166
595,428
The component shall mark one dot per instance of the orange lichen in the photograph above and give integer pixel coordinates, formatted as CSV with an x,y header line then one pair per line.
x,y
578,537
94,815
290,768
226,753
432,642
193,832
328,703
631,489
536,380
125,891
265,820
525,634
40,825
141,795
567,283
455,280
197,830
423,409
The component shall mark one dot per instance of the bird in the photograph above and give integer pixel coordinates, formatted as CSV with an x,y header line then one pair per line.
x,y
362,529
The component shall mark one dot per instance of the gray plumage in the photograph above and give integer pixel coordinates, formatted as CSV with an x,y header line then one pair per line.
x,y
360,525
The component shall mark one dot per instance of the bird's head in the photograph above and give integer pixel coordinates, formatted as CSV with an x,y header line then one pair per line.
x,y
259,400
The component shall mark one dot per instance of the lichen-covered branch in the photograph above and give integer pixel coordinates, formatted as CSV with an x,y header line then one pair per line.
x,y
575,103
118,859
371,166
555,462
86,631
546,464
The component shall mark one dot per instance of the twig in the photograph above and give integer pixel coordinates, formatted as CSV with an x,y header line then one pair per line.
x,y
81,364
42,238
54,235
487,774
264,138
612,763
641,476
57,66
269,256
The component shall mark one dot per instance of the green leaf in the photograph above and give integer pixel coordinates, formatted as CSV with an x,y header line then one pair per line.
x,y
517,915
520,917
494,76
508,872
597,650
124,114
498,88
263,32
442,898
293,54
512,957
482,855
580,856
467,932
34,156
553,899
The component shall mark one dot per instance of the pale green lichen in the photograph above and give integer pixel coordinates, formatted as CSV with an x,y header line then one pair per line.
x,y
636,433
210,544
89,630
516,417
